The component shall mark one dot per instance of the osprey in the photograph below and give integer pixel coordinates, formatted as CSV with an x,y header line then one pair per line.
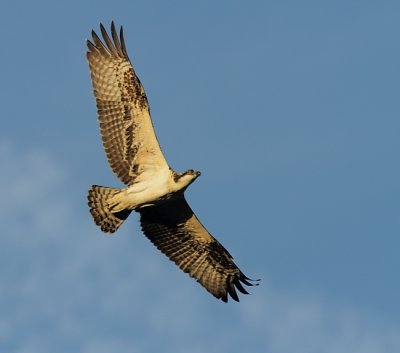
x,y
153,188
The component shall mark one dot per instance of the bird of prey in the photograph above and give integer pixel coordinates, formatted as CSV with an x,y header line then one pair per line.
x,y
152,188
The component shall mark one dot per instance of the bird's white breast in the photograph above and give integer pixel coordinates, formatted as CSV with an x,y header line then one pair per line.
x,y
152,187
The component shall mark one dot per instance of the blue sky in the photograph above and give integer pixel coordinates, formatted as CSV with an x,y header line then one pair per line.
x,y
290,110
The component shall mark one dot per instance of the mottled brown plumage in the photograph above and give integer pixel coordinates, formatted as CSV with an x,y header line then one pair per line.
x,y
154,189
175,230
122,108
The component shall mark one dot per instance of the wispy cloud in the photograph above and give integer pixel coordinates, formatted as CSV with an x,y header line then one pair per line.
x,y
305,323
66,287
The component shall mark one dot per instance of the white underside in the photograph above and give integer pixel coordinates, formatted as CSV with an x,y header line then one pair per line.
x,y
151,188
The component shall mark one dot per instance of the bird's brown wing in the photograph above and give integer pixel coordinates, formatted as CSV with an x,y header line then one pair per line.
x,y
126,128
175,230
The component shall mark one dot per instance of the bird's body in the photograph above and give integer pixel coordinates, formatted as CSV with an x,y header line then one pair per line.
x,y
153,188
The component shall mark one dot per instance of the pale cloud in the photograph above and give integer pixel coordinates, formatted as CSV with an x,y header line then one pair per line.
x,y
30,182
68,288
306,323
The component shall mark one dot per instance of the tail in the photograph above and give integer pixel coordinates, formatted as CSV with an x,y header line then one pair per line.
x,y
109,222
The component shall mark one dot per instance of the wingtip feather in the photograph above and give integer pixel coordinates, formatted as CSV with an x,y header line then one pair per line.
x,y
111,47
232,291
121,36
117,42
240,287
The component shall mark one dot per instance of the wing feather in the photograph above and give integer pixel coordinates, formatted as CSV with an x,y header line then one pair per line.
x,y
108,41
126,128
175,230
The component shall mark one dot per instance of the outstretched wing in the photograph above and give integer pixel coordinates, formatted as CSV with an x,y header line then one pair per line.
x,y
175,230
128,136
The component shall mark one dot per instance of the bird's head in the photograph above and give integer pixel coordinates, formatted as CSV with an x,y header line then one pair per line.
x,y
186,178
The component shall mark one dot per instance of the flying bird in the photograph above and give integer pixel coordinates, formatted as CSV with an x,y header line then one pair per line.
x,y
153,188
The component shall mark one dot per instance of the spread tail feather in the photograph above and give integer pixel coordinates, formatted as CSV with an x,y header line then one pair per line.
x,y
109,222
